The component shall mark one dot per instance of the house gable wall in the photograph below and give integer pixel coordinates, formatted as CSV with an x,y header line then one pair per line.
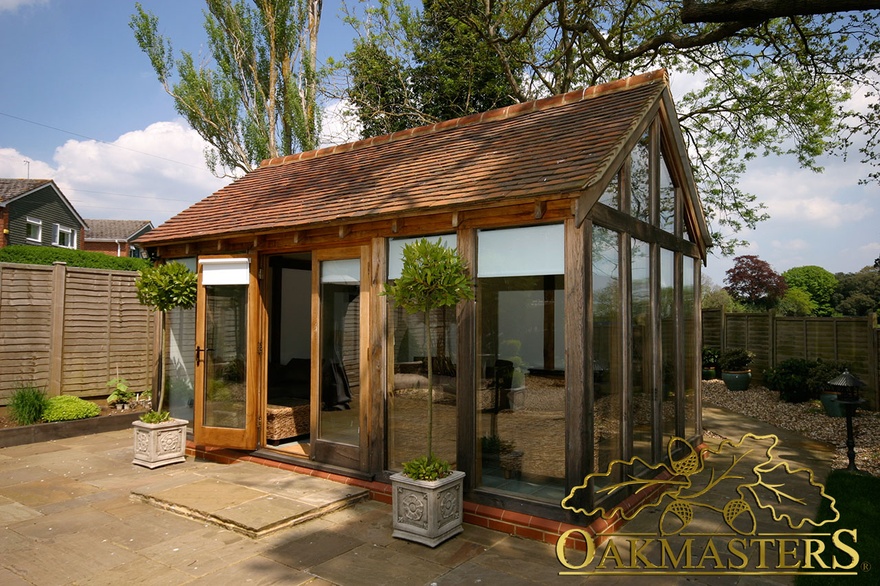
x,y
43,205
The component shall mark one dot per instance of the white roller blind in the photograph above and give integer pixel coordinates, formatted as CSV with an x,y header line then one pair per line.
x,y
396,246
341,272
225,271
521,252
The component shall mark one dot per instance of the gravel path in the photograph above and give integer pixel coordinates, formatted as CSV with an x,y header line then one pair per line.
x,y
807,419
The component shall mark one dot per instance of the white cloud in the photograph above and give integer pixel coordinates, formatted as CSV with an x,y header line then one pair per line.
x,y
11,5
150,174
339,124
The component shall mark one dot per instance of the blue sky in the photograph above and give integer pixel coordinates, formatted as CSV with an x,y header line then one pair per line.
x,y
80,103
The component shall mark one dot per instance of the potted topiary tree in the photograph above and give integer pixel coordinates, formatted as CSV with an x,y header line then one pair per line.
x,y
427,504
710,363
160,439
735,371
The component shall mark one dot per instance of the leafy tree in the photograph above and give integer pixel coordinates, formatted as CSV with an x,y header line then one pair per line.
x,y
746,73
796,301
260,98
409,69
859,293
715,297
753,281
819,284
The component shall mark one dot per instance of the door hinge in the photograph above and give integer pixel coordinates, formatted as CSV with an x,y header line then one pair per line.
x,y
260,349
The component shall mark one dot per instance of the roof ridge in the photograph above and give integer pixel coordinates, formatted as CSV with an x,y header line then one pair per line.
x,y
507,112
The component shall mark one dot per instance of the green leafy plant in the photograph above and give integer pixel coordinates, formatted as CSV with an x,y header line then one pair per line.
x,y
433,276
165,287
426,468
68,408
735,359
155,417
120,393
789,378
710,357
27,405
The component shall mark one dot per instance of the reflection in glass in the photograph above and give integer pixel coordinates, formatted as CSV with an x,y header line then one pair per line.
x,y
640,198
667,340
642,404
340,351
667,198
180,332
224,354
606,352
407,427
691,381
611,195
521,393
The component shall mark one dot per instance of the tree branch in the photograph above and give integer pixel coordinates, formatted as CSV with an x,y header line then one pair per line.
x,y
695,11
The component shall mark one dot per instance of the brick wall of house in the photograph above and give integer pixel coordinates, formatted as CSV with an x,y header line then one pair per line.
x,y
109,248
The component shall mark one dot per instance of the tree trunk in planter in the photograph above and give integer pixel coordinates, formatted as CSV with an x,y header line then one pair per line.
x,y
158,444
737,381
427,512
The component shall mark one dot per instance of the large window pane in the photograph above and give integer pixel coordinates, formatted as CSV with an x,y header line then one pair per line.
x,y
407,407
611,195
691,381
607,390
225,356
642,404
667,198
667,341
521,397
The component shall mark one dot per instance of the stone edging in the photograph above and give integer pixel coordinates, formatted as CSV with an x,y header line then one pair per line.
x,y
43,432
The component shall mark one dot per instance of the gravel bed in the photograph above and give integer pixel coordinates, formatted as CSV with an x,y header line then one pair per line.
x,y
807,419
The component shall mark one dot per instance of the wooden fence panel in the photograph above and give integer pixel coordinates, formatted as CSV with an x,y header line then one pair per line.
x,y
79,326
773,339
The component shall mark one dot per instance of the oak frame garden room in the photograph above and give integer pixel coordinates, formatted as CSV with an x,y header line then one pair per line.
x,y
580,223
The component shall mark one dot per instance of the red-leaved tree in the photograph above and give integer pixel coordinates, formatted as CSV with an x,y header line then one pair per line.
x,y
753,281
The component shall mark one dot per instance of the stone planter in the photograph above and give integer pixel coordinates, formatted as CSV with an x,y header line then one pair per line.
x,y
159,444
737,381
427,512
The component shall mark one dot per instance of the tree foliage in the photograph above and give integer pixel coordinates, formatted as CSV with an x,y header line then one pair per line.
x,y
819,284
753,281
259,100
796,302
759,86
167,286
408,69
858,293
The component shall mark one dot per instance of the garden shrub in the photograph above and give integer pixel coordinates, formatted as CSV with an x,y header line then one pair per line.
x,y
798,380
45,255
790,378
68,408
27,405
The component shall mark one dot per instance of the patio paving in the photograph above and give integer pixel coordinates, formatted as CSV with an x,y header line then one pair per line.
x,y
76,511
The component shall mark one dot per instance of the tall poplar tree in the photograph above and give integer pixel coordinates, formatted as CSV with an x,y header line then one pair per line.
x,y
258,99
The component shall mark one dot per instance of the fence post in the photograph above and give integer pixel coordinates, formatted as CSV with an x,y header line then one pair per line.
x,y
56,340
771,343
873,359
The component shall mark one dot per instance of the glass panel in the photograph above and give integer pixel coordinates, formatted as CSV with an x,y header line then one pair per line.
x,y
640,197
521,395
642,402
667,198
340,351
611,195
407,427
607,410
536,250
180,331
667,340
225,352
691,381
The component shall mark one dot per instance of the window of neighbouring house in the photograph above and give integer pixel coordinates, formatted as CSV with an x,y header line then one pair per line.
x,y
63,236
521,362
406,427
34,230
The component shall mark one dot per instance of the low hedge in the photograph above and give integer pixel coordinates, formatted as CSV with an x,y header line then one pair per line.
x,y
46,255
798,380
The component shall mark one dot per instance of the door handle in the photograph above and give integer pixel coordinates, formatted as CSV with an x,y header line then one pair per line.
x,y
199,352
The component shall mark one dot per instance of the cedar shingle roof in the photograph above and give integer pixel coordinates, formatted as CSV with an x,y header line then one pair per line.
x,y
558,145
12,188
113,230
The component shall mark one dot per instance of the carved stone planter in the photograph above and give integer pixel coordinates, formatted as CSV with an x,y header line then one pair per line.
x,y
158,444
427,512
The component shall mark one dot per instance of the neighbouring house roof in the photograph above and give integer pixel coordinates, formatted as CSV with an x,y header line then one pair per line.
x,y
560,145
13,189
116,230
